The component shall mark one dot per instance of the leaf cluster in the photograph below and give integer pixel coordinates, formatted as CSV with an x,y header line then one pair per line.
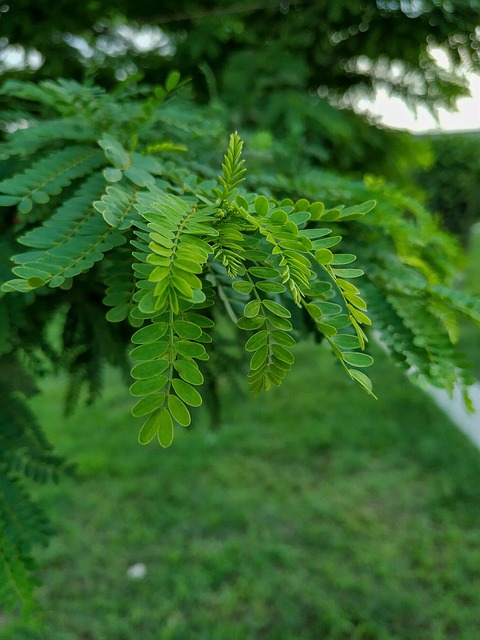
x,y
127,247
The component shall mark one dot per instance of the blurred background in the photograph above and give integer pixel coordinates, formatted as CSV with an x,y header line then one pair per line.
x,y
345,519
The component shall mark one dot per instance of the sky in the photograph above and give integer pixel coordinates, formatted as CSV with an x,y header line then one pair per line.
x,y
393,112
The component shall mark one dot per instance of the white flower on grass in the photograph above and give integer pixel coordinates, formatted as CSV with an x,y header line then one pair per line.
x,y
137,571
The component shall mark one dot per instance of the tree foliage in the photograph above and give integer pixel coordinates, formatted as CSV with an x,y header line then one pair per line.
x,y
452,181
126,240
337,45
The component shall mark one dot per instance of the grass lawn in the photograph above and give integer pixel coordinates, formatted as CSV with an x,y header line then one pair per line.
x,y
315,513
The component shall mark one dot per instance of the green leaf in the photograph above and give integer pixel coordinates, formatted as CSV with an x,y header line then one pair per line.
x,y
8,201
139,177
357,359
316,209
151,333
264,272
259,358
118,313
40,197
187,330
360,317
189,371
255,255
357,211
261,206
302,204
35,282
281,364
276,308
187,393
343,258
148,385
356,300
149,429
329,308
348,273
279,217
179,411
182,287
362,379
327,329
252,309
347,286
345,341
114,151
319,289
300,218
148,404
314,311
112,175
149,369
200,320
270,287
283,354
314,234
331,215
242,286
250,324
188,265
172,80
256,341
280,323
149,351
191,349
340,321
323,256
25,206
326,243
285,339
165,428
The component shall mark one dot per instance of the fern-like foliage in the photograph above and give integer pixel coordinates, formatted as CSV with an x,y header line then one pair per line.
x,y
122,234
233,169
25,456
269,256
410,277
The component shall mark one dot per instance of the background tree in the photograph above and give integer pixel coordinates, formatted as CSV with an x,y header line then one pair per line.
x,y
451,182
123,224
275,65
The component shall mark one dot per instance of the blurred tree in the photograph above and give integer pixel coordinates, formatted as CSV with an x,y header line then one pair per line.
x,y
452,182
331,47
276,65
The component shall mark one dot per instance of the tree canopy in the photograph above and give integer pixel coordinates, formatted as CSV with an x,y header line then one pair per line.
x,y
331,46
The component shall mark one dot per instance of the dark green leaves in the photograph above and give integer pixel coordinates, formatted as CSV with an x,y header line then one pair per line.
x,y
48,176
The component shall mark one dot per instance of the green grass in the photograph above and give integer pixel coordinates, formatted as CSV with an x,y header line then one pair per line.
x,y
315,513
